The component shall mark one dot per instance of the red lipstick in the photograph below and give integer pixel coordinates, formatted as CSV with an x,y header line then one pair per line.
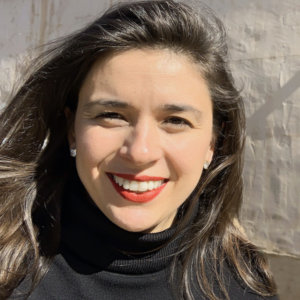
x,y
138,178
140,197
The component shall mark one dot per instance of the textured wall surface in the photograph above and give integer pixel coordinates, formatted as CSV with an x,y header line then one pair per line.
x,y
264,39
264,42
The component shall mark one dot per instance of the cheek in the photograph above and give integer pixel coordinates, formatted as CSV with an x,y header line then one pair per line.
x,y
94,143
189,155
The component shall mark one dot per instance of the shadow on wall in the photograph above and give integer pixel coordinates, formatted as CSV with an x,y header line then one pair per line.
x,y
259,117
286,271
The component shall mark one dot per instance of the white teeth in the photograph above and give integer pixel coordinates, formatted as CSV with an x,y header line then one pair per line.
x,y
143,186
151,185
156,184
137,186
120,180
133,186
126,184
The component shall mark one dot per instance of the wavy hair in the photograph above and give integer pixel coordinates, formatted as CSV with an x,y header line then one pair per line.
x,y
35,163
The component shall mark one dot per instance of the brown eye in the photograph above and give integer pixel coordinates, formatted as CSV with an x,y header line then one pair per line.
x,y
111,119
177,121
110,115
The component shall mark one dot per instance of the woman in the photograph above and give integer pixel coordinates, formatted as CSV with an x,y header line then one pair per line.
x,y
146,206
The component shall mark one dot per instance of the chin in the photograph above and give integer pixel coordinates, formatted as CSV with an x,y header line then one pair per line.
x,y
134,226
132,220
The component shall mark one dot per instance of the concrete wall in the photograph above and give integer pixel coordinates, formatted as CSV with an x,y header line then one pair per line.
x,y
264,40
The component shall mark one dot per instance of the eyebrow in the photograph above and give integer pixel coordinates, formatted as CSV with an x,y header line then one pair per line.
x,y
179,108
112,103
172,108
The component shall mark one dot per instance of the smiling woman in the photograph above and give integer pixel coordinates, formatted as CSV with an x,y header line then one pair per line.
x,y
121,162
148,131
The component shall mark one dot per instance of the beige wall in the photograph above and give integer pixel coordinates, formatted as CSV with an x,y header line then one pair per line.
x,y
264,40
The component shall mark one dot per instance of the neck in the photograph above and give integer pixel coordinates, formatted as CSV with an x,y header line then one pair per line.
x,y
91,242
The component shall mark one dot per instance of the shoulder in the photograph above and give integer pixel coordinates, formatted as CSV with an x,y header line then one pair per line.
x,y
238,290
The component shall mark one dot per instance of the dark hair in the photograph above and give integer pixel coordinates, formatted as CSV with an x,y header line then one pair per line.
x,y
34,154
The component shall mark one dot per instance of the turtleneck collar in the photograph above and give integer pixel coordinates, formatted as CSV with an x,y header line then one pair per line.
x,y
91,242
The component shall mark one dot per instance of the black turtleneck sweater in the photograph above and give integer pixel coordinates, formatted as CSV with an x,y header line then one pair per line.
x,y
99,260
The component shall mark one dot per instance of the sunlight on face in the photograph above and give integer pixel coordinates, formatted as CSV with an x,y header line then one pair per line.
x,y
143,130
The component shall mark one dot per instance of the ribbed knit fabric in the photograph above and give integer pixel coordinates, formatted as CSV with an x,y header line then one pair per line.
x,y
105,246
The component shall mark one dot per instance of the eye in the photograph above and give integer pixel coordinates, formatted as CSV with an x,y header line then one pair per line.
x,y
110,115
111,119
177,122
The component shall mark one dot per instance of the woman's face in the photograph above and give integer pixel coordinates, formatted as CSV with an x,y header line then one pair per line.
x,y
143,130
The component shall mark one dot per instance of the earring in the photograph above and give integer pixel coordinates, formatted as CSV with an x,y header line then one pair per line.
x,y
206,165
73,152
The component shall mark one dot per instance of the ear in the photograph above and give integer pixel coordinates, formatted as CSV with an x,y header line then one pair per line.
x,y
210,152
70,116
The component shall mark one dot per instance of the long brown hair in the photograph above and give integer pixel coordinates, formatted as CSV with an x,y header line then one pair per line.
x,y
34,155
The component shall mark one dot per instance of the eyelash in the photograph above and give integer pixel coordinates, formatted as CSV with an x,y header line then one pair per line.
x,y
172,120
110,115
178,121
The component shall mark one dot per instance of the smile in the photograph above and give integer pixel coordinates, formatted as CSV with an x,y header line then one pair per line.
x,y
137,189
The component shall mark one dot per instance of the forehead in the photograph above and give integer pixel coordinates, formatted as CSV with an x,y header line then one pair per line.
x,y
152,74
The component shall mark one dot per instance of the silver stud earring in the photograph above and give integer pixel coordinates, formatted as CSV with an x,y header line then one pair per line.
x,y
206,165
73,152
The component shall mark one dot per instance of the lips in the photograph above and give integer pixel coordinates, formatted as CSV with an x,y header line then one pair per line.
x,y
138,178
137,188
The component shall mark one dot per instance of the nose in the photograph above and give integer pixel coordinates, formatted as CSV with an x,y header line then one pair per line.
x,y
143,145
